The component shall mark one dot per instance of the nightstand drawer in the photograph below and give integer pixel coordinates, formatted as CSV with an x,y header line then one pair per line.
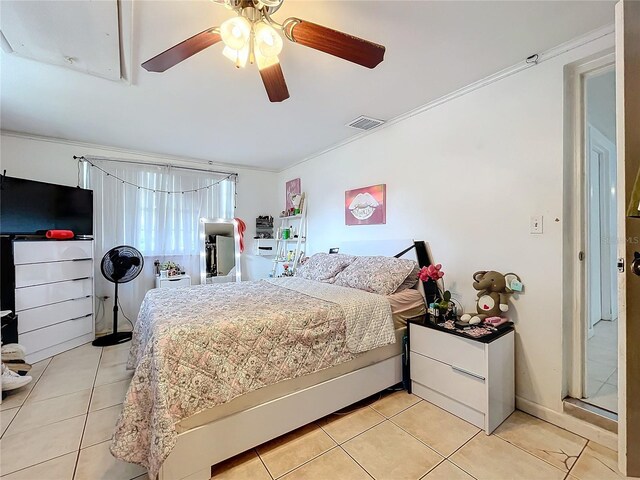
x,y
173,282
449,380
446,348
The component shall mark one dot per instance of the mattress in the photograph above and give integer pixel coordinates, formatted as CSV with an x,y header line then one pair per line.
x,y
404,305
286,387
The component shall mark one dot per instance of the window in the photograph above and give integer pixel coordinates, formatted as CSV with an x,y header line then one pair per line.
x,y
133,208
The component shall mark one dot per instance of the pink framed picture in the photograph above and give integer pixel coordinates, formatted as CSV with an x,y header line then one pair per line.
x,y
292,188
366,206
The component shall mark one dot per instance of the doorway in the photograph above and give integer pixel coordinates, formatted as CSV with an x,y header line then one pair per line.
x,y
600,386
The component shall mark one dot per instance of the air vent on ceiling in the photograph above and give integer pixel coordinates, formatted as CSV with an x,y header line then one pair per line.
x,y
365,123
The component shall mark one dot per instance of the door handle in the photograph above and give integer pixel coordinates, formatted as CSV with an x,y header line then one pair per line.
x,y
635,265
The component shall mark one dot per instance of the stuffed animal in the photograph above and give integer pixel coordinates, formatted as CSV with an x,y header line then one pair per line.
x,y
494,289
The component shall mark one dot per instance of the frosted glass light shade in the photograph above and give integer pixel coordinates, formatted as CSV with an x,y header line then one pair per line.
x,y
264,62
239,57
236,32
268,42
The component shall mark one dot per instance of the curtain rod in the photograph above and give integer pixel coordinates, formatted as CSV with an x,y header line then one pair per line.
x,y
82,157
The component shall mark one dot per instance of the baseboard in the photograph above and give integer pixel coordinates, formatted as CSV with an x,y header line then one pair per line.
x,y
575,425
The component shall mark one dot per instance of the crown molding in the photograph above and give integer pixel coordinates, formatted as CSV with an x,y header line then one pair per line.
x,y
577,42
170,159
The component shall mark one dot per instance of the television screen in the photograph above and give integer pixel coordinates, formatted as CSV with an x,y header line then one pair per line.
x,y
28,207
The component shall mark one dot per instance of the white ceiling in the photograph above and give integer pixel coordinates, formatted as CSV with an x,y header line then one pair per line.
x,y
50,32
205,108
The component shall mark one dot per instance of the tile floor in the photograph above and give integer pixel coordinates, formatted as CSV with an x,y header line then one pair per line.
x,y
602,363
59,428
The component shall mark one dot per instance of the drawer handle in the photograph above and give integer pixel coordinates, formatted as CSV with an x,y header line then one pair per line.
x,y
78,279
467,372
80,318
175,279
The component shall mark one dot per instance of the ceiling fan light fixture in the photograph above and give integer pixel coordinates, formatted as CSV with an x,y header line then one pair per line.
x,y
238,57
268,42
266,62
236,32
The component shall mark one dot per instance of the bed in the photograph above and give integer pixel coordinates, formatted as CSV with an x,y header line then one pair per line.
x,y
220,369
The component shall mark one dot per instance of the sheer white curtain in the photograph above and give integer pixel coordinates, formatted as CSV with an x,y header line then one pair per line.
x,y
163,226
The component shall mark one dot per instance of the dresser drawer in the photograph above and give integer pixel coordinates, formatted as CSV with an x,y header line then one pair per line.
x,y
40,295
55,334
174,282
40,273
51,251
40,317
450,381
446,348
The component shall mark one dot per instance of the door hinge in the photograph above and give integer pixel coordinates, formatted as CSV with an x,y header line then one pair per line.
x,y
621,265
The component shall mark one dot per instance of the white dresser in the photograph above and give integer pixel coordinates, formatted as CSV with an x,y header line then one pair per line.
x,y
53,295
471,379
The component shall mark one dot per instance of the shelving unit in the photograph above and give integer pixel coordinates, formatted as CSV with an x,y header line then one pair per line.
x,y
282,246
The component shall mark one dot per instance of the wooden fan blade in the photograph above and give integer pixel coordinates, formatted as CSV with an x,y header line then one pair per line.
x,y
182,51
343,45
274,82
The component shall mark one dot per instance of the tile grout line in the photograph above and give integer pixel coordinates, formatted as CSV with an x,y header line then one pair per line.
x,y
384,419
534,455
43,425
404,409
577,458
358,463
86,418
303,464
19,407
423,477
24,403
40,463
421,441
460,448
261,461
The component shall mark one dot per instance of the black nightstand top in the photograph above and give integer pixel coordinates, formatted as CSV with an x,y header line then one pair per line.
x,y
423,321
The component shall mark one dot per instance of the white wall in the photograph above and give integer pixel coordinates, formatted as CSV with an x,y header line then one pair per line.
x,y
51,160
466,176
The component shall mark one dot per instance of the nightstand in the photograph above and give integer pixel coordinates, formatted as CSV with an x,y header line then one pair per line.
x,y
471,378
173,282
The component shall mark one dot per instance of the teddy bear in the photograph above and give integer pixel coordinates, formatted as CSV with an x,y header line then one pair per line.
x,y
494,290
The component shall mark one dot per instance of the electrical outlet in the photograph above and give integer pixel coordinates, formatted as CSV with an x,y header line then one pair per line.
x,y
535,224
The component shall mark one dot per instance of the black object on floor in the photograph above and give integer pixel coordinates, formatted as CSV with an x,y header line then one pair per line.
x,y
119,265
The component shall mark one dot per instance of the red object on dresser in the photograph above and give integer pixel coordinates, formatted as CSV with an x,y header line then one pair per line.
x,y
59,234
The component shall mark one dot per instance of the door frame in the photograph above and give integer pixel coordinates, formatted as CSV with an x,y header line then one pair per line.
x,y
575,242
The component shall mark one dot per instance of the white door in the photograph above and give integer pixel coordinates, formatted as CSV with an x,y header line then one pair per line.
x,y
628,119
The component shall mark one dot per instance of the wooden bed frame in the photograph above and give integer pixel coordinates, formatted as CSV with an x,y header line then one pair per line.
x,y
198,449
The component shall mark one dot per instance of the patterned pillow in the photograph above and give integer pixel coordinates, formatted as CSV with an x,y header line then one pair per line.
x,y
411,280
323,267
381,275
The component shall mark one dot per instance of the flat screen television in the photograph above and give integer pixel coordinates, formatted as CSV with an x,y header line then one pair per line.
x,y
28,207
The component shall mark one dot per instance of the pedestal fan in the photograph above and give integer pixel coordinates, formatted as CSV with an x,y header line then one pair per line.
x,y
119,265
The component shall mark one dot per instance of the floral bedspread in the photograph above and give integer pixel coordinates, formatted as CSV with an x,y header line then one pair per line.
x,y
197,347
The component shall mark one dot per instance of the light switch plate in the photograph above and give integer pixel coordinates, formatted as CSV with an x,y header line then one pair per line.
x,y
536,224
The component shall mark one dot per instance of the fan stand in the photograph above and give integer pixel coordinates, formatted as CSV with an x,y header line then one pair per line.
x,y
115,337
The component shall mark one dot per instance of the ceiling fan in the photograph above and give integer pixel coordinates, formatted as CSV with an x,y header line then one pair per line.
x,y
252,37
